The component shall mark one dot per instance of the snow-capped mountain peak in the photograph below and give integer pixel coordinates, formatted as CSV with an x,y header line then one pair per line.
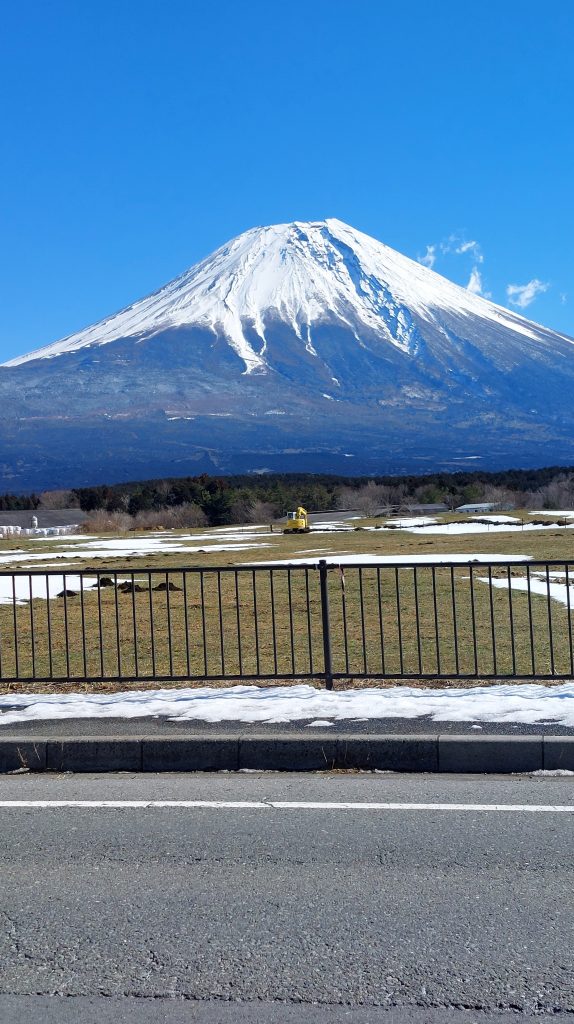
x,y
296,347
302,274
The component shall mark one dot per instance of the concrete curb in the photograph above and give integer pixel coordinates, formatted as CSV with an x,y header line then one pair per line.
x,y
288,752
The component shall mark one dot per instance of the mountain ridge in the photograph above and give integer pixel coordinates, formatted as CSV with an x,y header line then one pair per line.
x,y
233,263
299,343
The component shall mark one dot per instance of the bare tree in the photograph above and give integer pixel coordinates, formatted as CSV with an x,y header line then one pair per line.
x,y
101,521
262,512
188,515
58,499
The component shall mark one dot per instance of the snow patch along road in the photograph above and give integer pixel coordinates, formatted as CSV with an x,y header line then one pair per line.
x,y
527,704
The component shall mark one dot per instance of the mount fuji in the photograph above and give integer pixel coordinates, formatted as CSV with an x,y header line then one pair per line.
x,y
296,347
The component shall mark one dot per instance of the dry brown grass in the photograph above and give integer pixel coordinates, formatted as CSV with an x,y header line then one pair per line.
x,y
394,630
186,623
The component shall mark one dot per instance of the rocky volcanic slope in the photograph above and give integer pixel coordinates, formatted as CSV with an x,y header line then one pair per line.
x,y
293,347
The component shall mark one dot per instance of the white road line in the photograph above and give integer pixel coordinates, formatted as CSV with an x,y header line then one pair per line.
x,y
279,805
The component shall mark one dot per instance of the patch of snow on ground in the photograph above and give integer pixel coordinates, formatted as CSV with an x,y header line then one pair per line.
x,y
403,524
452,529
498,519
528,704
362,559
102,549
329,527
231,529
558,591
563,515
41,586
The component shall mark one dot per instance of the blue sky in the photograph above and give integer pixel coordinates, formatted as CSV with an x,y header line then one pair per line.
x,y
138,135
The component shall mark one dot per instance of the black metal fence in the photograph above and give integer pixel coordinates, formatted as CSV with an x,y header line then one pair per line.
x,y
393,621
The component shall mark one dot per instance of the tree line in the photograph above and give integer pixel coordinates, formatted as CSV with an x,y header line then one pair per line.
x,y
216,501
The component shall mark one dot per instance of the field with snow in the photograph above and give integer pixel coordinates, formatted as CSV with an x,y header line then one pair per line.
x,y
534,535
432,621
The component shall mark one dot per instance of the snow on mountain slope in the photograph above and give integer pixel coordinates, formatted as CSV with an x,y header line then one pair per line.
x,y
301,274
305,347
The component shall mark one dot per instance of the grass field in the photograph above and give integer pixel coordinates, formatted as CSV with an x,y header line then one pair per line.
x,y
556,543
443,622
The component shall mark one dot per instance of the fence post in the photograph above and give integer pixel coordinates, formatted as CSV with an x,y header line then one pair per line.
x,y
326,624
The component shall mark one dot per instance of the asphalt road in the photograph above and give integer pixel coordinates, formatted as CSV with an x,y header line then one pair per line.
x,y
266,913
161,726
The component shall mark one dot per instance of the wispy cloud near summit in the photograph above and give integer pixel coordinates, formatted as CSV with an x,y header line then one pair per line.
x,y
455,244
428,259
475,284
522,295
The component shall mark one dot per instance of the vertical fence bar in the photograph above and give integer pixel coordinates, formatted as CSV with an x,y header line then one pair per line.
x,y
291,631
203,631
238,623
101,635
273,621
381,627
530,622
117,620
344,612
363,634
66,625
436,628
399,625
135,626
220,613
186,624
417,620
569,612
256,622
151,626
15,619
511,620
454,621
473,618
326,624
492,626
32,637
168,613
83,622
550,630
49,624
309,630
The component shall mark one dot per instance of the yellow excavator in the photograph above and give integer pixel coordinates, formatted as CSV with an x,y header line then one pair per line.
x,y
297,522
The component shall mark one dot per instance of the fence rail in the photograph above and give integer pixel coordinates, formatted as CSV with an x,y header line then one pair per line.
x,y
389,620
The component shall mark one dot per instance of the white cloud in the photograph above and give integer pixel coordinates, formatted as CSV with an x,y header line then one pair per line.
x,y
476,285
563,298
522,295
429,258
472,247
453,244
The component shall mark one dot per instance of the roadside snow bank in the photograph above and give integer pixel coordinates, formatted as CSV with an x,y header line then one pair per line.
x,y
510,703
